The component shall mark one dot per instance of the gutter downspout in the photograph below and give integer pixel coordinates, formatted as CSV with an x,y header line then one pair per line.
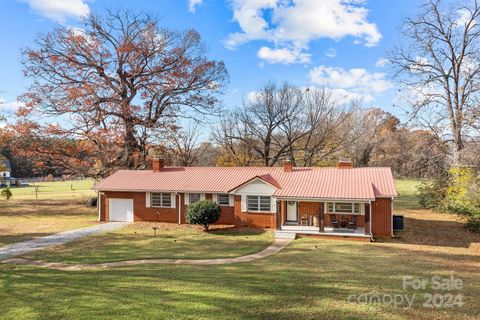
x,y
391,217
179,208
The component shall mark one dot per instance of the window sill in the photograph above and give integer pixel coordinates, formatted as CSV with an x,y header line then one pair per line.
x,y
258,212
349,213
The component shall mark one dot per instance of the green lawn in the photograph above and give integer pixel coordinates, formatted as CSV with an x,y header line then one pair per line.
x,y
56,190
310,279
172,241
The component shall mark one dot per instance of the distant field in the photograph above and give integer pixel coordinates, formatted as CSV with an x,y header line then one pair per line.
x,y
408,199
56,190
27,219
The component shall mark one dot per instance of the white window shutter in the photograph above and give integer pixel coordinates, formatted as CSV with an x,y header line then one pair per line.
x,y
274,204
244,203
147,199
214,197
173,201
202,196
231,200
187,199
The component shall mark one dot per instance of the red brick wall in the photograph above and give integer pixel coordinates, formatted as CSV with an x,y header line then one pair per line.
x,y
253,219
309,209
227,216
103,207
381,212
381,219
142,213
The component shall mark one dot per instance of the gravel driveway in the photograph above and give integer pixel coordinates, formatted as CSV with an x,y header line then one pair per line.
x,y
19,248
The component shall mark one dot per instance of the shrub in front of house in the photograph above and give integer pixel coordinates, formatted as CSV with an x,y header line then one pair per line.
x,y
203,212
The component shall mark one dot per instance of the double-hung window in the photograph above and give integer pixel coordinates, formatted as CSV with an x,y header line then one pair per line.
x,y
223,199
161,200
193,197
259,203
344,208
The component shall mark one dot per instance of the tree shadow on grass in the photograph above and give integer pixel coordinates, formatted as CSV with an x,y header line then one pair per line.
x,y
235,231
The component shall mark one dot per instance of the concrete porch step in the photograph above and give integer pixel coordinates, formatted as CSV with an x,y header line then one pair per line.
x,y
279,234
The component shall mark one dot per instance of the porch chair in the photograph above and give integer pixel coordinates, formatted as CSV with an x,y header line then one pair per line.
x,y
304,220
333,221
352,224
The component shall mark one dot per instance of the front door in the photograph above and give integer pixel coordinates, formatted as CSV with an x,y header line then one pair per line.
x,y
291,211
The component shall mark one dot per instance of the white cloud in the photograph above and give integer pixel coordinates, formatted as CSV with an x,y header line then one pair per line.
x,y
193,4
331,53
463,17
357,81
9,107
381,62
284,55
294,23
346,96
341,95
59,10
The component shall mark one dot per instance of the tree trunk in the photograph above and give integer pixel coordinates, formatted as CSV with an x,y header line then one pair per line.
x,y
132,148
456,154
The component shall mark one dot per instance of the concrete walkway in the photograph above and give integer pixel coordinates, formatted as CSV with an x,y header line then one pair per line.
x,y
19,248
277,246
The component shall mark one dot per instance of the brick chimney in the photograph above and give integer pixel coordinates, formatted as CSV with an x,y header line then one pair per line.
x,y
287,166
344,163
157,164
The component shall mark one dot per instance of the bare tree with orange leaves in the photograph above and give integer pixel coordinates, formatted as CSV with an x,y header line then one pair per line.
x,y
116,81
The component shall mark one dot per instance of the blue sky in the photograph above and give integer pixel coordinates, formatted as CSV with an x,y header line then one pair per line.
x,y
334,43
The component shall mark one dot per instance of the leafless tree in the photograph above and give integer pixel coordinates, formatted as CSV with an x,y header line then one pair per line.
x,y
265,114
186,147
234,151
283,122
266,122
439,67
324,130
363,128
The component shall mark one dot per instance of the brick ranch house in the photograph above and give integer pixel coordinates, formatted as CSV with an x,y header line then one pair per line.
x,y
337,201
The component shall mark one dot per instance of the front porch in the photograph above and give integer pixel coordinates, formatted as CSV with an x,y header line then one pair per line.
x,y
302,217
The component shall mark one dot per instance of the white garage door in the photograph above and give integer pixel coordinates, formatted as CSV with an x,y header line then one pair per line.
x,y
120,210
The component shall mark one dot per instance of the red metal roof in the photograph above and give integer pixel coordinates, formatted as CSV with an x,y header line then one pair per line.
x,y
331,183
